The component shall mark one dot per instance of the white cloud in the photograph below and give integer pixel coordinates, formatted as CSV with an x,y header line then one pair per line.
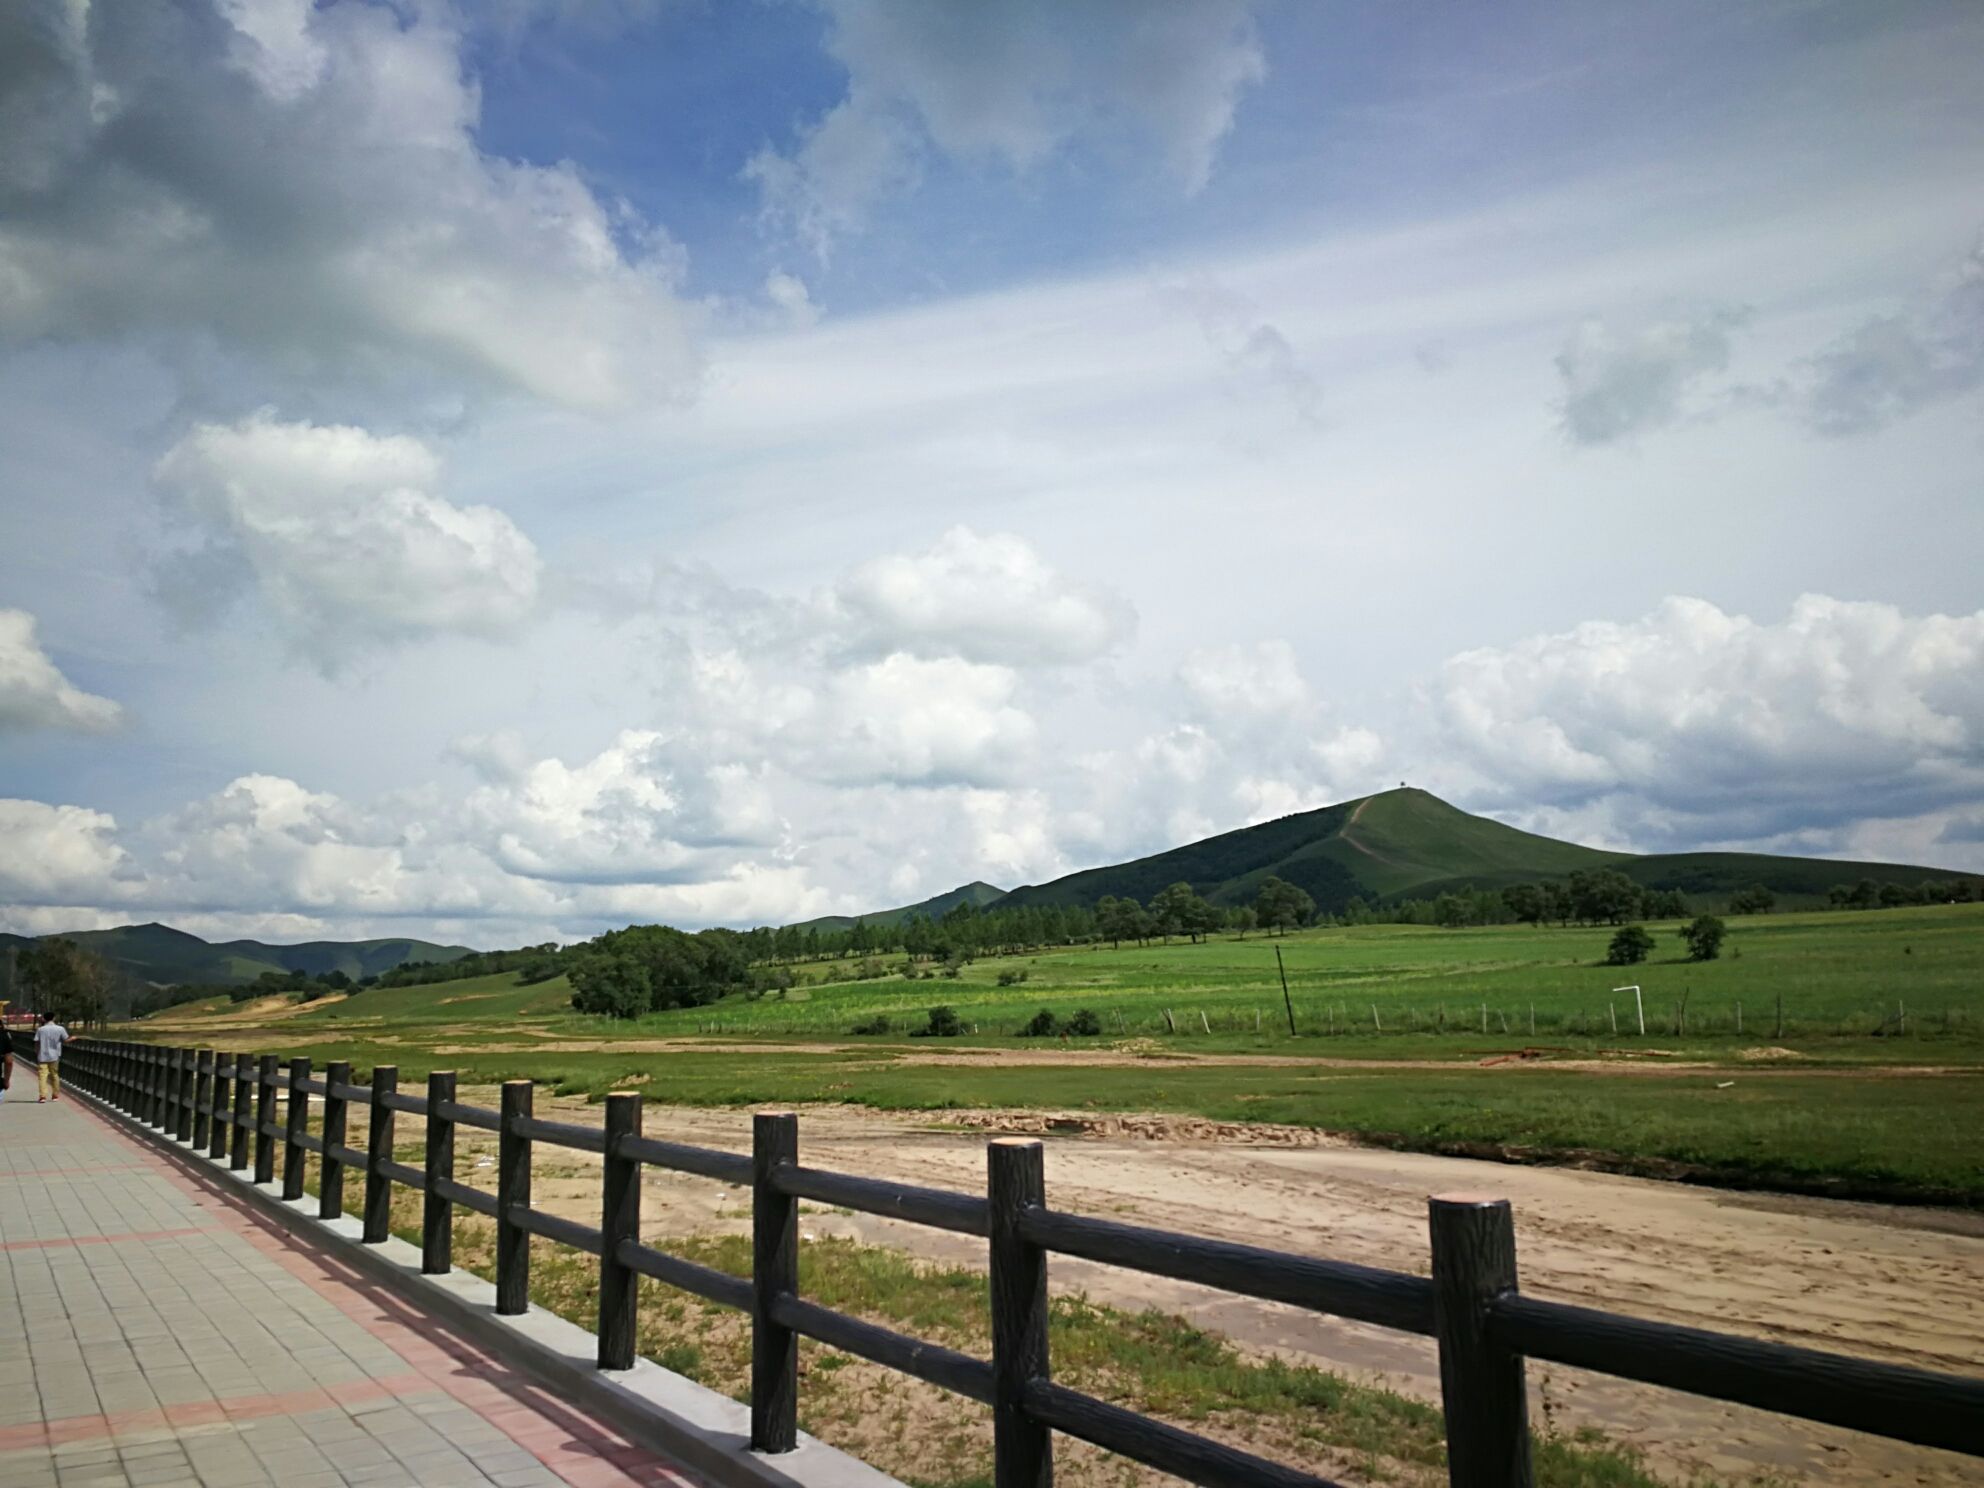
x,y
344,538
33,692
1008,85
984,598
1621,383
1712,725
304,182
57,855
912,721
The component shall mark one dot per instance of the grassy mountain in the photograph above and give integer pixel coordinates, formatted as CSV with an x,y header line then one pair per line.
x,y
159,953
979,893
1409,844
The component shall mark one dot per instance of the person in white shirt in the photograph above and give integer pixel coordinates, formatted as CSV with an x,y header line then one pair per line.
x,y
48,1041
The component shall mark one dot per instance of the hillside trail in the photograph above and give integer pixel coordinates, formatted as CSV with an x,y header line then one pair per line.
x,y
1898,1284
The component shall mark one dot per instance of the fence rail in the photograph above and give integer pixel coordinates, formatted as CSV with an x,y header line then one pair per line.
x,y
225,1105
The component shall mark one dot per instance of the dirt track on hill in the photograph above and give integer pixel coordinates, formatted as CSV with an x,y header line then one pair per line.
x,y
1904,1285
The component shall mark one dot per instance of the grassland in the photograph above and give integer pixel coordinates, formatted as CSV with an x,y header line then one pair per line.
x,y
1872,1084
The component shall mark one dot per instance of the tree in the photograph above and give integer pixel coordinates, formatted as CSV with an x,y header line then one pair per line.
x,y
1281,905
1242,919
1630,946
1525,902
1704,937
1756,899
1118,920
1179,911
1450,912
1893,896
1602,894
66,981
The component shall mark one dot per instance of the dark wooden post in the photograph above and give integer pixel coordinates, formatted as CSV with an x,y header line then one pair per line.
x,y
127,1099
203,1098
1481,1386
513,1192
297,1125
244,1094
1022,1448
330,1180
774,1273
217,1135
185,1130
437,1215
148,1085
619,1220
164,1078
265,1117
379,1152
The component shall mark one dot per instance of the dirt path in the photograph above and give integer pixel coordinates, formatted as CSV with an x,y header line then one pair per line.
x,y
1905,1285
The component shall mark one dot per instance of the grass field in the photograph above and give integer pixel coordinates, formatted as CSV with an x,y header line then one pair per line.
x,y
1848,1097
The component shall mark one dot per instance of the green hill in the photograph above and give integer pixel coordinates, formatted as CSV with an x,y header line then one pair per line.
x,y
1410,844
935,908
160,954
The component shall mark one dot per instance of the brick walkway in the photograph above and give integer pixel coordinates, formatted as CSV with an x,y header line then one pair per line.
x,y
166,1336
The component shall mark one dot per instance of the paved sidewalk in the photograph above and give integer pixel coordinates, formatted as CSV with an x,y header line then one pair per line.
x,y
153,1332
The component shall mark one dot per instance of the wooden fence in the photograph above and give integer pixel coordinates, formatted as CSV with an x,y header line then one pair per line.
x,y
224,1105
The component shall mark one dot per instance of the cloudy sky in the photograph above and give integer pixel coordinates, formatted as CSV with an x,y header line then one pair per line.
x,y
497,471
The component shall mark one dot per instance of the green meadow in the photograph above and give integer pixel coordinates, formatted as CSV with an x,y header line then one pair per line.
x,y
1872,1083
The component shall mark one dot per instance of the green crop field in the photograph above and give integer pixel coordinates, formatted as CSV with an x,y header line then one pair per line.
x,y
1874,1085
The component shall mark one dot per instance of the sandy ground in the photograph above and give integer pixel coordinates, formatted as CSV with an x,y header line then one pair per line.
x,y
1899,1284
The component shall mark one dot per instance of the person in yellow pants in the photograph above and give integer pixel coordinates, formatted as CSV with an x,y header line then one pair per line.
x,y
48,1041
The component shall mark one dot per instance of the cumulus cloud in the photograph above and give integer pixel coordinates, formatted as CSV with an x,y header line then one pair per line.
x,y
33,692
1695,722
304,182
1892,366
58,855
344,538
1007,85
1620,383
989,598
912,721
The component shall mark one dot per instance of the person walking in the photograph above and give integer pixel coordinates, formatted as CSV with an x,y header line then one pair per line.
x,y
48,1041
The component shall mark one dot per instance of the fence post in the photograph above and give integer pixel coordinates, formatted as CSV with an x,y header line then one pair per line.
x,y
203,1097
330,1181
1481,1385
513,1192
217,1127
774,1273
148,1085
1022,1448
379,1152
437,1215
298,1123
619,1221
265,1117
185,1128
244,1094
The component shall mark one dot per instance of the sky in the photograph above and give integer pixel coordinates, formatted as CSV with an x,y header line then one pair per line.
x,y
497,472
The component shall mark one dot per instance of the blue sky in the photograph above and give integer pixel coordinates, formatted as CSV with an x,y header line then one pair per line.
x,y
503,471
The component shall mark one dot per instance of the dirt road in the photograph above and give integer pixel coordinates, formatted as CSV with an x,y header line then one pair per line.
x,y
1889,1283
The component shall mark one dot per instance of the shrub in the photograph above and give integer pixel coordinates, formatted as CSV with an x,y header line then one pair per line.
x,y
1629,947
1042,1024
1084,1024
876,1024
1011,977
1704,937
944,1023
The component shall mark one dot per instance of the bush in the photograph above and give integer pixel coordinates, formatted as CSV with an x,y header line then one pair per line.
x,y
944,1023
1011,978
1084,1024
1042,1024
876,1024
1629,947
1704,937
